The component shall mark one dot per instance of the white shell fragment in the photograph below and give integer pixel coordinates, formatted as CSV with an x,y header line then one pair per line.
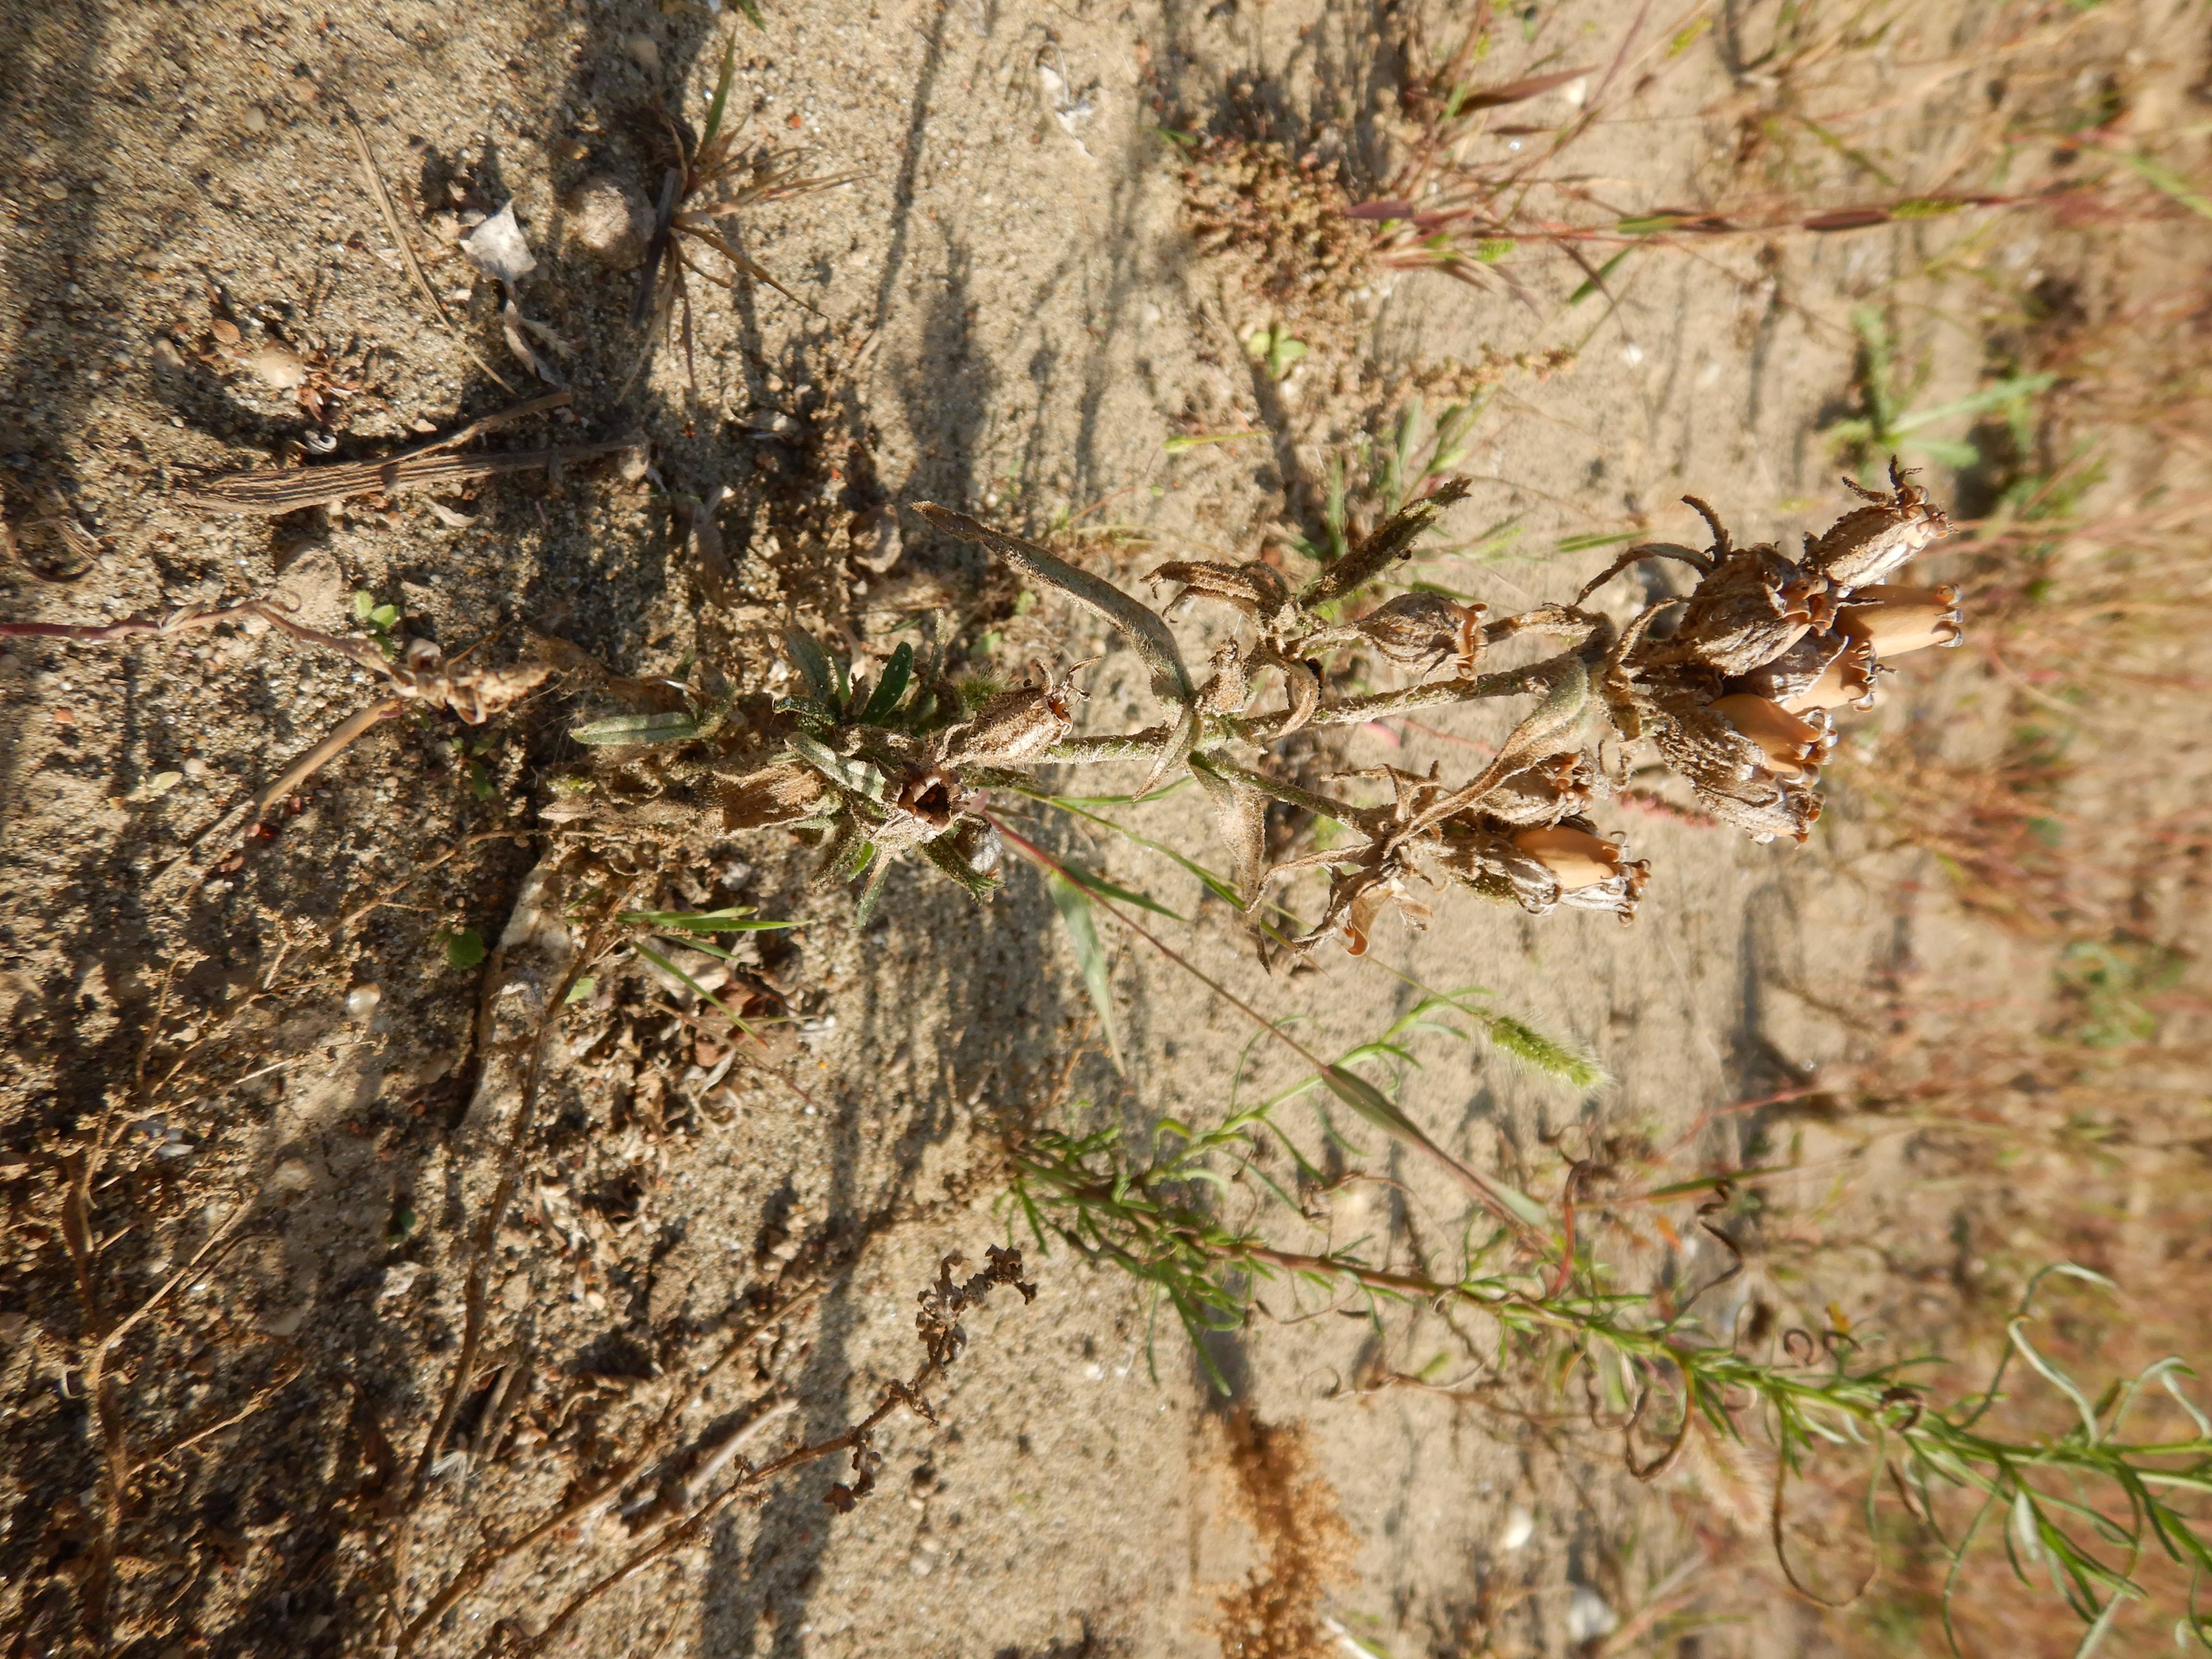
x,y
496,247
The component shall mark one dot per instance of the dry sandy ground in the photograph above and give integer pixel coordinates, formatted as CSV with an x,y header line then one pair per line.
x,y
1000,311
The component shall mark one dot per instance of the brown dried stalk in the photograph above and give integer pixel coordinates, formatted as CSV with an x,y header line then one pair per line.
x,y
419,673
268,492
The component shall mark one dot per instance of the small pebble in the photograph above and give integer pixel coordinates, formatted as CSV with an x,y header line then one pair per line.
x,y
362,1001
194,767
644,52
167,357
610,220
255,119
292,1176
54,190
278,367
225,331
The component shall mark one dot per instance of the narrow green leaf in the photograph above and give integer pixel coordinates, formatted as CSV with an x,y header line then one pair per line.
x,y
1090,955
1596,284
721,101
1105,888
619,729
896,673
1372,1103
738,918
860,776
705,996
812,663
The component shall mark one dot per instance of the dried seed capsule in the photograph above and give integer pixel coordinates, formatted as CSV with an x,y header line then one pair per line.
x,y
1257,589
1870,541
1891,621
1793,747
1419,630
1823,670
1576,857
1016,727
1756,605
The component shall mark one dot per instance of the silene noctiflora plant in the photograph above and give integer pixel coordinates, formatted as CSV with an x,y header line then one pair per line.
x,y
1735,686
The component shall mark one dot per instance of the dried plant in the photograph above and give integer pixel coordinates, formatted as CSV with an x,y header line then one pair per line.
x,y
1737,701
708,181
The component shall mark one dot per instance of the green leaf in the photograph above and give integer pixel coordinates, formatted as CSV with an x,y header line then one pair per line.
x,y
1596,284
1369,1102
813,663
752,11
896,673
705,996
2163,178
721,101
1105,888
465,949
583,987
1090,955
736,919
860,776
619,729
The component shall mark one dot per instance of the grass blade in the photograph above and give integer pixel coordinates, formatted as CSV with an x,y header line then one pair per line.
x,y
1090,955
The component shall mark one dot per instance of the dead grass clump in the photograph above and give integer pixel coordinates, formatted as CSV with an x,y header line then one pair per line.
x,y
1276,1613
1282,221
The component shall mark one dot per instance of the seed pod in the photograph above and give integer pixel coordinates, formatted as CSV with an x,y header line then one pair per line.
x,y
1419,630
1016,727
1257,589
1732,775
1576,857
1870,541
1794,746
1891,621
1823,669
1756,605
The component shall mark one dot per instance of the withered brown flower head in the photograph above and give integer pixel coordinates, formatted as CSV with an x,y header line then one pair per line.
x,y
1016,727
1755,605
1869,542
1793,745
1255,588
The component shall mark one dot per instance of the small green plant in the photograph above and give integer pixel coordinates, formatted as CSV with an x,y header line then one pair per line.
x,y
377,620
1888,426
1205,1218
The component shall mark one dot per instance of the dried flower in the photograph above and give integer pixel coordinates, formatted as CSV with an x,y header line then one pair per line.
x,y
1870,541
1257,589
1794,746
1419,630
1892,621
1016,727
1823,669
1576,857
1754,605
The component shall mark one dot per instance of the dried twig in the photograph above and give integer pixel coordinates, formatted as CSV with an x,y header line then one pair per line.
x,y
268,491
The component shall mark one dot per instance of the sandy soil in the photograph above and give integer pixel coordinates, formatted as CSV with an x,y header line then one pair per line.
x,y
1000,310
